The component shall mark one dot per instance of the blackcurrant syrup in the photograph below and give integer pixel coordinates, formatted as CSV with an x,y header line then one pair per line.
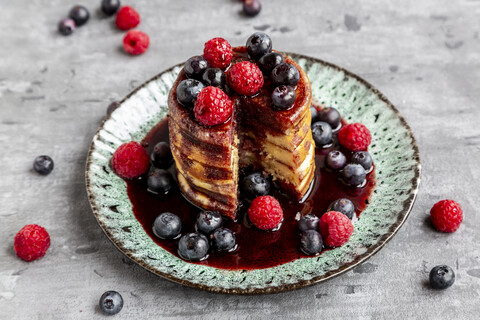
x,y
256,249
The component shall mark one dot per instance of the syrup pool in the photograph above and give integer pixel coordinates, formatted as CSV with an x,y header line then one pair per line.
x,y
256,249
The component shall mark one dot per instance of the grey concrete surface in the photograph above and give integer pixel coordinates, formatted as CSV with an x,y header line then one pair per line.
x,y
423,55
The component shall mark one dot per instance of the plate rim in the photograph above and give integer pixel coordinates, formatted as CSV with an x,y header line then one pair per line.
x,y
404,213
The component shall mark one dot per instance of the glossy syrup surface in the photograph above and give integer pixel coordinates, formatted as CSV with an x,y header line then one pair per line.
x,y
256,249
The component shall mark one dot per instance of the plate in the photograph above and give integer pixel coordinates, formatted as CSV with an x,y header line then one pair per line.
x,y
394,150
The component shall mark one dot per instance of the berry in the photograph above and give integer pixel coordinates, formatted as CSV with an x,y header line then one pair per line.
x,y
167,226
283,97
335,160
43,165
66,26
335,228
224,239
113,106
446,215
258,44
215,77
31,242
245,78
252,7
265,213
441,277
311,242
269,61
308,222
344,206
187,92
364,159
208,221
213,106
79,14
322,134
127,18
109,7
193,247
136,42
285,73
255,185
130,160
111,302
314,112
354,175
218,53
195,67
330,116
160,181
162,155
355,137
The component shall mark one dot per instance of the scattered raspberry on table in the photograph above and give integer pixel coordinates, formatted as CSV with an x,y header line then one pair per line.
x,y
136,42
127,18
31,242
446,215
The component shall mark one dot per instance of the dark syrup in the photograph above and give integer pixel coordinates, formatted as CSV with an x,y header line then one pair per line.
x,y
256,249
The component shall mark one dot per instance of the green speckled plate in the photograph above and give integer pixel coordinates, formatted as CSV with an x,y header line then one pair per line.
x,y
397,171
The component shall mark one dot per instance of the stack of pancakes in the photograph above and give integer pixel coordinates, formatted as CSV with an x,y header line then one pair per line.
x,y
278,142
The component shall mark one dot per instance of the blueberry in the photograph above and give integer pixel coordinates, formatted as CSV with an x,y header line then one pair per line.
x,y
79,14
167,226
214,77
364,159
255,185
441,277
43,165
308,222
344,206
112,106
285,73
66,26
193,247
160,181
188,90
224,239
283,97
314,112
322,133
162,155
269,61
195,67
335,160
330,116
208,221
311,242
109,7
111,302
354,174
258,44
252,7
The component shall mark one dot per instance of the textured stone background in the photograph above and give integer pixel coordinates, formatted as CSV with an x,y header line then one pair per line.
x,y
54,90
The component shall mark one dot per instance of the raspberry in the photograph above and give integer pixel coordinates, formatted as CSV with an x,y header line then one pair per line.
x,y
335,228
136,42
446,215
130,160
218,53
265,212
127,18
355,137
245,78
213,106
31,242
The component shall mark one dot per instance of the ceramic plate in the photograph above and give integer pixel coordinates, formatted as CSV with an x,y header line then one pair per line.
x,y
394,150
